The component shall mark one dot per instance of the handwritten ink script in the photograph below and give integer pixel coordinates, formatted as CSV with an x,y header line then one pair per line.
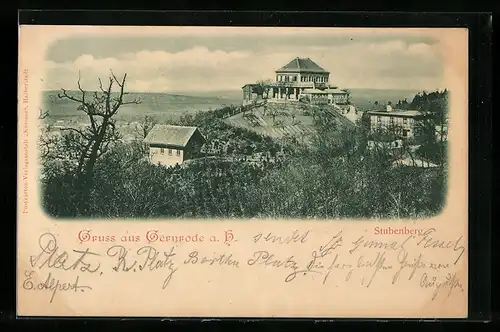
x,y
409,258
421,259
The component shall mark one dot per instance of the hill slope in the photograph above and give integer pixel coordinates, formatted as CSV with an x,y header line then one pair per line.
x,y
161,105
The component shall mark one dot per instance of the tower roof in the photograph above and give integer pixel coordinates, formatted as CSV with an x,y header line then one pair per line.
x,y
302,65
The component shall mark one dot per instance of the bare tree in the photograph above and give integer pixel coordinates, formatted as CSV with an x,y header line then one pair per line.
x,y
46,142
262,88
277,110
293,115
252,118
273,112
101,107
146,125
253,105
42,114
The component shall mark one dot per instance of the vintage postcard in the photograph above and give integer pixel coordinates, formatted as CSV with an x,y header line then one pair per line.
x,y
242,172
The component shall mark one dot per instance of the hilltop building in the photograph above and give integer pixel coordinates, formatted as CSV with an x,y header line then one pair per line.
x,y
300,79
170,145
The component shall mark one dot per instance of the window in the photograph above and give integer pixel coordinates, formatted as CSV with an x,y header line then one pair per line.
x,y
405,133
178,153
162,150
295,78
391,120
379,119
405,120
169,152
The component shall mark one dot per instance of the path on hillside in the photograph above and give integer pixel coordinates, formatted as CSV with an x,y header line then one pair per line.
x,y
348,119
301,130
244,109
265,127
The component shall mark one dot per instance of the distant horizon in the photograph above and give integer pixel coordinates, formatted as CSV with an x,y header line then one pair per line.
x,y
227,59
203,93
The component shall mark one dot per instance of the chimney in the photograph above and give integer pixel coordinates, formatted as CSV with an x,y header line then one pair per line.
x,y
389,106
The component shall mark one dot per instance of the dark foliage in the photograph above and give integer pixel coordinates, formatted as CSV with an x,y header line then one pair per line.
x,y
248,175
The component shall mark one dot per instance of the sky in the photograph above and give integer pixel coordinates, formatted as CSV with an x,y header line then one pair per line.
x,y
204,60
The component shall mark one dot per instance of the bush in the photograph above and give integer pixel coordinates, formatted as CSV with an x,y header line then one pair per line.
x,y
334,178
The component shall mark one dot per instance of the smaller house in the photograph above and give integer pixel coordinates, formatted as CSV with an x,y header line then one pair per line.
x,y
249,93
337,96
315,96
406,121
170,145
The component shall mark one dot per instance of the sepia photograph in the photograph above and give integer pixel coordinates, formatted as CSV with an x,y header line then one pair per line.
x,y
242,172
300,123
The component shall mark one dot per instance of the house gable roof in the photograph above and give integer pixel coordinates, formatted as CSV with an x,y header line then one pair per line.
x,y
302,65
169,135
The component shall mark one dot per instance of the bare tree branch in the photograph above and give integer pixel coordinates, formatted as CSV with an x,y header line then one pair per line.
x,y
135,101
80,88
65,95
101,87
77,131
117,80
43,114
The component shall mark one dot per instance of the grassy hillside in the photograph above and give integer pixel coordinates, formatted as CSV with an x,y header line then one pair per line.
x,y
301,126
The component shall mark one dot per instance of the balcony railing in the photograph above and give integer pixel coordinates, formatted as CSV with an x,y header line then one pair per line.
x,y
320,85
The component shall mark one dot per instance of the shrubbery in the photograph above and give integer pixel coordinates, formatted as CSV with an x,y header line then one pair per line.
x,y
336,177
